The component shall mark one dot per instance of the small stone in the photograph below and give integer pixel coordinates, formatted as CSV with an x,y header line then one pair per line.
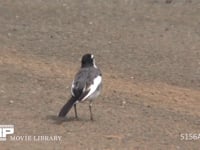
x,y
123,103
9,34
2,91
177,147
11,101
168,1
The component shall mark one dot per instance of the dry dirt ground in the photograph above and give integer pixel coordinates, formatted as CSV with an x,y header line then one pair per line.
x,y
148,51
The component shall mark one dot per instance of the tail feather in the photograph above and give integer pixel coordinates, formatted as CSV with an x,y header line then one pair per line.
x,y
66,108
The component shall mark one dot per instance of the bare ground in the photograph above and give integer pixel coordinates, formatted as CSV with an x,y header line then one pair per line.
x,y
148,52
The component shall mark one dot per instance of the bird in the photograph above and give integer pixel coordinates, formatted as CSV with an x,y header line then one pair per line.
x,y
87,85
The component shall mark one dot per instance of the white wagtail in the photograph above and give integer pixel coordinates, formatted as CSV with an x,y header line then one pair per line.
x,y
85,86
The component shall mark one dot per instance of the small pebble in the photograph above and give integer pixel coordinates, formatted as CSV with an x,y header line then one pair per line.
x,y
9,34
11,101
123,103
168,1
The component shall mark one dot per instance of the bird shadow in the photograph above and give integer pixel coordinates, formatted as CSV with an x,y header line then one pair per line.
x,y
60,120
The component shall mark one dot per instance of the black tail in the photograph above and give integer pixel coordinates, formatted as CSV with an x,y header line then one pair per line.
x,y
66,108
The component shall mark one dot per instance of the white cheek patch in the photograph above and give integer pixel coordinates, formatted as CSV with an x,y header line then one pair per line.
x,y
94,63
72,88
93,87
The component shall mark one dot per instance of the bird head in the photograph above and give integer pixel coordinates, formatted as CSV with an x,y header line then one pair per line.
x,y
88,60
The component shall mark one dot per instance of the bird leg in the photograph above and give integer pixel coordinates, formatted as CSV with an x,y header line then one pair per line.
x,y
90,107
76,116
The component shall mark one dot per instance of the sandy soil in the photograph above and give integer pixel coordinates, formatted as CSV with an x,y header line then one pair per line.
x,y
148,51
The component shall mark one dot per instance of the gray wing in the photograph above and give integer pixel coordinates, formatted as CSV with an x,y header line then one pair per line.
x,y
83,79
